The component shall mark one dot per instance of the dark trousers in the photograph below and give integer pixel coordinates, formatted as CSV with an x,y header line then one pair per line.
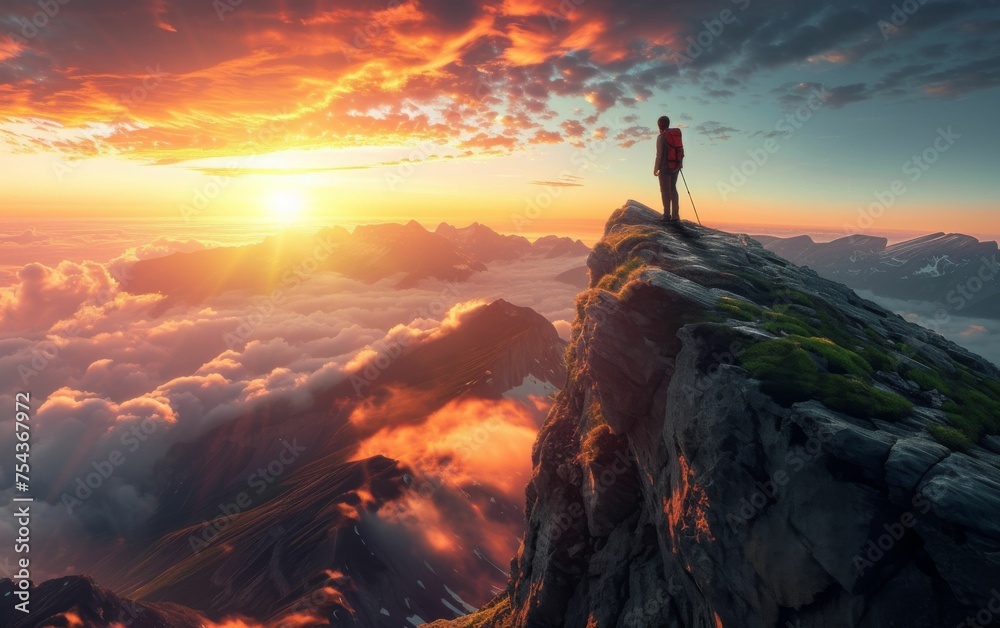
x,y
668,190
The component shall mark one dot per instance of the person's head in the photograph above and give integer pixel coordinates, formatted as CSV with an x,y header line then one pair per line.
x,y
663,123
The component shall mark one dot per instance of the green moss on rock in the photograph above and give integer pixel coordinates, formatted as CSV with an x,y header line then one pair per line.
x,y
850,395
789,371
950,437
614,283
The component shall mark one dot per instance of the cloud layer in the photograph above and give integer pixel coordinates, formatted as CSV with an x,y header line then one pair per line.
x,y
175,79
117,379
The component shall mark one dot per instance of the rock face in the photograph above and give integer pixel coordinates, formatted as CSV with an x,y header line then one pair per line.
x,y
744,444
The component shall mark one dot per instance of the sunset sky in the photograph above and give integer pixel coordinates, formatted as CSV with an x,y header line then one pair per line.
x,y
523,115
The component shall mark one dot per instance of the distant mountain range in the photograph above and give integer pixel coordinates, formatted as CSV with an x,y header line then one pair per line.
x,y
370,253
956,271
483,244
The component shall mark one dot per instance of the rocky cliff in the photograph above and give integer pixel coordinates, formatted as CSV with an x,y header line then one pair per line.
x,y
744,444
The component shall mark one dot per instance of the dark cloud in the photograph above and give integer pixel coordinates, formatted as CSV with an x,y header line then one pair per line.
x,y
930,79
963,78
716,130
790,40
903,76
846,94
633,135
720,94
793,95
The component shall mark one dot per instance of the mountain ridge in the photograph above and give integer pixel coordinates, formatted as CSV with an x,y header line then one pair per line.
x,y
743,443
407,253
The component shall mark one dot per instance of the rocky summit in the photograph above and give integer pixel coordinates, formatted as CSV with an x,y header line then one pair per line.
x,y
742,443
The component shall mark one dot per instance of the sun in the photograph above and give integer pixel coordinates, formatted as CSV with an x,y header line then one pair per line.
x,y
285,206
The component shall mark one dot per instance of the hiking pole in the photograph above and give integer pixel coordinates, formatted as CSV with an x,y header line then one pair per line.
x,y
690,197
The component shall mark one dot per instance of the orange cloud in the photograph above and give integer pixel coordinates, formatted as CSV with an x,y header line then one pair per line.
x,y
159,8
467,441
974,330
255,80
9,48
471,447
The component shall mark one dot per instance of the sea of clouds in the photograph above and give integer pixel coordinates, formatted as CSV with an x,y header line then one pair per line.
x,y
109,371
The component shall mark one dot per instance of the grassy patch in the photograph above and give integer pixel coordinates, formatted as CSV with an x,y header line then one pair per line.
x,y
628,239
927,380
965,424
950,437
759,284
852,396
788,371
993,387
784,319
614,283
982,409
739,309
879,360
782,324
796,297
838,359
833,325
975,407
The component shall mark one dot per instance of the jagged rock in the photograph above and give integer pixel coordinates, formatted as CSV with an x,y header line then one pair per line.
x,y
908,463
992,443
751,501
897,381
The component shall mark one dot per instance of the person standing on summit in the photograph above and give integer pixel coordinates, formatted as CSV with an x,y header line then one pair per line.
x,y
669,161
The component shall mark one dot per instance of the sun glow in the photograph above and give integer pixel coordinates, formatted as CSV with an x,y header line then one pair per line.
x,y
285,206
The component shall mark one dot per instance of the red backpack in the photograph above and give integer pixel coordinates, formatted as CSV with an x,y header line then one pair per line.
x,y
674,156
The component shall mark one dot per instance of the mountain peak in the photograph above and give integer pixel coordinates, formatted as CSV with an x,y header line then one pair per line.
x,y
740,433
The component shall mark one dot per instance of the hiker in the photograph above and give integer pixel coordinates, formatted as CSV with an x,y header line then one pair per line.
x,y
669,161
